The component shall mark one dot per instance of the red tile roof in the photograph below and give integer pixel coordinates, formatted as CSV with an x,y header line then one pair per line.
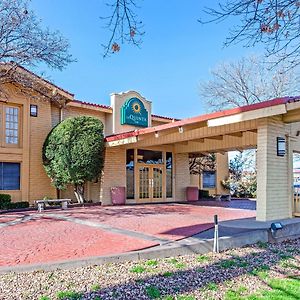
x,y
202,118
93,104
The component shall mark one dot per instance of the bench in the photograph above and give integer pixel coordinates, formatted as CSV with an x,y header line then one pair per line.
x,y
225,197
41,203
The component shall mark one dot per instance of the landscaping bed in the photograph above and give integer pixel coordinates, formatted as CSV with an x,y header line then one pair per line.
x,y
262,271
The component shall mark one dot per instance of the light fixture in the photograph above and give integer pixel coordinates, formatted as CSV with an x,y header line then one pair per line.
x,y
180,129
275,227
156,134
33,110
281,146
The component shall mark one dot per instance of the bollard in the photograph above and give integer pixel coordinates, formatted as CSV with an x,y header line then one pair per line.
x,y
216,235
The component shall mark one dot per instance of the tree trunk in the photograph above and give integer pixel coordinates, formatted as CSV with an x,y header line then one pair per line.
x,y
79,192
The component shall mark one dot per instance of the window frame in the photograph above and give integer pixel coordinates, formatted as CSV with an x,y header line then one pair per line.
x,y
215,181
4,106
20,174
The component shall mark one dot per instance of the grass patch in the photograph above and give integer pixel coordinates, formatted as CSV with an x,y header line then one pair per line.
x,y
281,289
227,264
176,263
44,298
212,286
235,294
153,292
262,245
138,269
68,295
203,258
261,272
167,274
95,287
152,263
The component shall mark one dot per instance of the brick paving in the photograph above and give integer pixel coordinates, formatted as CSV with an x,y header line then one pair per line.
x,y
57,235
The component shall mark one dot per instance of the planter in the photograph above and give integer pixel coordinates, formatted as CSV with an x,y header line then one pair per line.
x,y
192,193
118,196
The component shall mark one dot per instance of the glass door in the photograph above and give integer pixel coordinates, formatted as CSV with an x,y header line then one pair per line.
x,y
144,182
150,183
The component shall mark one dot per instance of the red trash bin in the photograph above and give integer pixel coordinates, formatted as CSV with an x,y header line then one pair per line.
x,y
192,193
118,196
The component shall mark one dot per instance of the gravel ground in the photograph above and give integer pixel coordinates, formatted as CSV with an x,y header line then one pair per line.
x,y
183,278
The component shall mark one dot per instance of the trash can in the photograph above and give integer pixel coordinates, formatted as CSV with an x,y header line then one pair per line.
x,y
118,195
192,193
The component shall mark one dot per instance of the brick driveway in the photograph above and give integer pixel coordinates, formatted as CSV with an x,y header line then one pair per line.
x,y
56,235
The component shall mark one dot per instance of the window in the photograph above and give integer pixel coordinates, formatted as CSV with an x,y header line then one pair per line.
x,y
9,176
149,157
11,125
209,179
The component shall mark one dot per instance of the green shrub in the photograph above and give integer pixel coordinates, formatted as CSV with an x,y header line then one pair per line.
x,y
16,205
153,292
4,200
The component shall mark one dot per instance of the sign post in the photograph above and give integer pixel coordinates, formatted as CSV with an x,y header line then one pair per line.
x,y
216,235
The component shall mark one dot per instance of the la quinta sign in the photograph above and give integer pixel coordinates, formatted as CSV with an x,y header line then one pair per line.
x,y
133,112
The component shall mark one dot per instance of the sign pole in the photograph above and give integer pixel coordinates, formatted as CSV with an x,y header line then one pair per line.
x,y
216,235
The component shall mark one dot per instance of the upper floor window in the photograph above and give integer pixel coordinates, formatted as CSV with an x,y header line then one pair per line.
x,y
11,125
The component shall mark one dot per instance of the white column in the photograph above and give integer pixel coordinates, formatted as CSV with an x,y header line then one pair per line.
x,y
274,173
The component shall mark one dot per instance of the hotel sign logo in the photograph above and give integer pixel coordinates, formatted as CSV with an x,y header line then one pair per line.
x,y
133,112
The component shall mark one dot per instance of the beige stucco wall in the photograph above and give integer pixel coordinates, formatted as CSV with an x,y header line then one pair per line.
x,y
274,173
222,172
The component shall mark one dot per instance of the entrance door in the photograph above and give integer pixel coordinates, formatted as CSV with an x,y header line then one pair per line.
x,y
150,183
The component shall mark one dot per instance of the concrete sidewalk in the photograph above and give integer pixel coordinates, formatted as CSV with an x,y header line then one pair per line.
x,y
233,234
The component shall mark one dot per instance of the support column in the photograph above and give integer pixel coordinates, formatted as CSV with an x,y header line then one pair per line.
x,y
222,172
182,175
274,173
114,172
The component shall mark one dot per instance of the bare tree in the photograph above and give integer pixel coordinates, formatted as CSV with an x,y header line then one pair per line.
x,y
23,42
201,162
273,24
245,82
123,25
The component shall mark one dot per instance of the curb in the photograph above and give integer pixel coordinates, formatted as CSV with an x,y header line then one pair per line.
x,y
183,247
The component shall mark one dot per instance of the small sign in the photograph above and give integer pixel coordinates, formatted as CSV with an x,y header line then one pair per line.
x,y
281,146
133,112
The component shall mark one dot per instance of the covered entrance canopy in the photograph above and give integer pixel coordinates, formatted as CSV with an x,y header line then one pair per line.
x,y
273,127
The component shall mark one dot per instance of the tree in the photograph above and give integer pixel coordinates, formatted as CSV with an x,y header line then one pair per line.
x,y
73,153
200,162
242,175
272,24
245,82
123,25
24,42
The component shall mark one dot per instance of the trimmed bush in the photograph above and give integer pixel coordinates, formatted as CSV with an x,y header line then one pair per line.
x,y
4,200
5,203
16,205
